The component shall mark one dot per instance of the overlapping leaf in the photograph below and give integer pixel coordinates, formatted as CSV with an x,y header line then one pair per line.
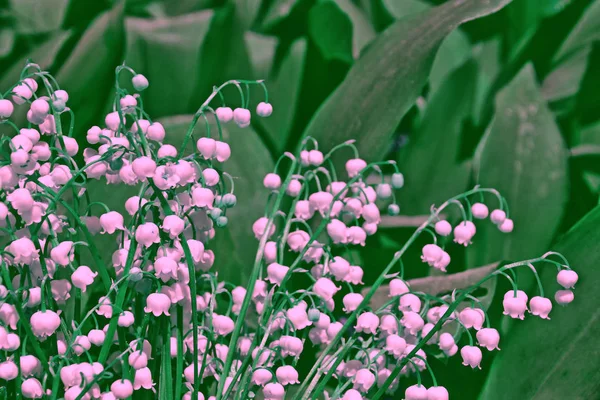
x,y
386,80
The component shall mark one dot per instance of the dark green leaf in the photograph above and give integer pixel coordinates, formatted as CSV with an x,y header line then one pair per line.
x,y
404,8
331,30
438,138
362,31
178,40
38,16
235,245
284,92
565,79
454,50
585,32
261,49
223,56
487,55
556,359
7,40
43,55
389,76
88,73
524,157
247,10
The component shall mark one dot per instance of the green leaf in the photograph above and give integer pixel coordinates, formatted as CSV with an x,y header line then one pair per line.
x,y
524,17
284,92
7,41
234,246
454,51
88,73
171,90
564,81
247,10
585,32
384,83
487,55
438,138
403,8
556,359
223,56
38,16
261,49
524,157
43,55
362,30
331,30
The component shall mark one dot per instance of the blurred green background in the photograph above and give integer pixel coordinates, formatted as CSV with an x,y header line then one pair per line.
x,y
498,93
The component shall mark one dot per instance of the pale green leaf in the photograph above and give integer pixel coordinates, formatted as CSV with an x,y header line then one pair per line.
x,y
151,43
387,79
438,138
523,156
556,358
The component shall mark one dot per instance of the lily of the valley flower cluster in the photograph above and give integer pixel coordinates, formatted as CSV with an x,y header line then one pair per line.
x,y
157,320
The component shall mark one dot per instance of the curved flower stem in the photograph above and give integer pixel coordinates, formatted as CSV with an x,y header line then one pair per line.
x,y
305,391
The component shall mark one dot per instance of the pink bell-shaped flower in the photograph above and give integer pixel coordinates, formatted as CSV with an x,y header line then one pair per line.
x,y
261,376
471,356
122,388
287,375
274,391
147,234
44,323
83,277
143,379
111,221
32,389
8,370
158,304
174,225
23,251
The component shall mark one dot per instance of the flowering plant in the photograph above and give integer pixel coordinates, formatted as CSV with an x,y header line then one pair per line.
x,y
165,325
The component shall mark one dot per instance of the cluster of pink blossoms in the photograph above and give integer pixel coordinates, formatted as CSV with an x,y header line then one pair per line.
x,y
157,319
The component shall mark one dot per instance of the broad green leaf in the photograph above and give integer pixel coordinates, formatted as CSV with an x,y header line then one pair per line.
x,y
402,8
454,50
585,32
176,40
556,359
38,16
589,135
384,83
247,10
7,41
235,246
362,31
523,156
438,138
524,17
487,55
564,81
43,55
284,92
88,74
331,30
261,49
223,56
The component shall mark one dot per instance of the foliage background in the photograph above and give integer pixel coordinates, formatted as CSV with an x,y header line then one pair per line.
x,y
458,97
